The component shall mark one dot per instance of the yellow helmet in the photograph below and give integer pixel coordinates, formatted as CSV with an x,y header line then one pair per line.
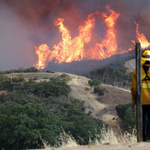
x,y
145,57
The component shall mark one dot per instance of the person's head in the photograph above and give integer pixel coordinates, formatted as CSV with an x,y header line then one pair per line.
x,y
145,59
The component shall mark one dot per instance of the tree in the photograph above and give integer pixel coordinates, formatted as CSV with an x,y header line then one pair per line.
x,y
93,74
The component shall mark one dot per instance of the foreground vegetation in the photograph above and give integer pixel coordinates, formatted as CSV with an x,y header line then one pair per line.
x,y
34,111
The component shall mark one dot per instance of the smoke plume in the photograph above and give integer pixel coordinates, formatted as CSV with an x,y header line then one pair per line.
x,y
29,23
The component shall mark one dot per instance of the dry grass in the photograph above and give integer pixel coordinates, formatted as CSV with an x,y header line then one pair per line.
x,y
107,137
110,137
67,140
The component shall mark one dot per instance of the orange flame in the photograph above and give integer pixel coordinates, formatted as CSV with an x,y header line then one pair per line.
x,y
43,52
141,38
109,42
68,49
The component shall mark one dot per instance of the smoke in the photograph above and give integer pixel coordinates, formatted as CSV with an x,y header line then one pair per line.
x,y
16,49
29,23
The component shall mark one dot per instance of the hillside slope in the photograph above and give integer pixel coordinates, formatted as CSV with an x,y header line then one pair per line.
x,y
102,107
130,65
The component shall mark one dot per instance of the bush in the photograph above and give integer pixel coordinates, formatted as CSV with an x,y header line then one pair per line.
x,y
48,71
55,87
24,126
45,77
19,98
15,79
130,117
65,77
121,109
20,76
3,78
35,78
87,89
127,113
5,82
94,82
99,91
30,80
31,69
87,127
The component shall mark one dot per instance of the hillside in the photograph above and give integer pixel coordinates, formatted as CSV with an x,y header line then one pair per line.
x,y
102,107
130,65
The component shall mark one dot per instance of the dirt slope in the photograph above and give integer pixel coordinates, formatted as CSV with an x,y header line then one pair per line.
x,y
102,107
130,65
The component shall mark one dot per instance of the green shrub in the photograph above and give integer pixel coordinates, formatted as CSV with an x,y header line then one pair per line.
x,y
87,88
121,109
94,82
15,79
55,87
45,77
130,117
3,78
99,91
65,77
127,113
31,69
87,127
23,127
20,76
30,80
35,78
48,71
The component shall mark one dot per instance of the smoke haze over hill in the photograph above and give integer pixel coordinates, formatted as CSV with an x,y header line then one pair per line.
x,y
27,23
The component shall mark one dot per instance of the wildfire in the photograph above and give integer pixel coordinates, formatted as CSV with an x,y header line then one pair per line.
x,y
109,42
68,49
43,52
141,38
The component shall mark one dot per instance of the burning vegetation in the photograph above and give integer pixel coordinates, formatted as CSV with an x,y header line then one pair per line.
x,y
66,32
68,49
73,49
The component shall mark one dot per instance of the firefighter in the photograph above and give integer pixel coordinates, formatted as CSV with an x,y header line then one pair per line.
x,y
145,61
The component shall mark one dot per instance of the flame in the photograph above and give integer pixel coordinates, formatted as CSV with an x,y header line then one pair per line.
x,y
43,52
108,46
141,38
68,49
